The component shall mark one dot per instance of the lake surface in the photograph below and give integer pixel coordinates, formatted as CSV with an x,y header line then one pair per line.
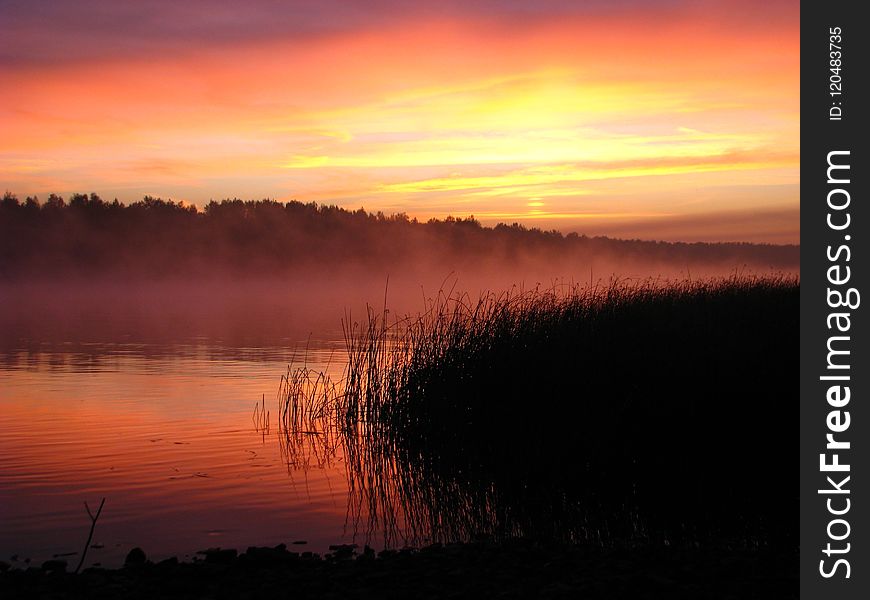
x,y
166,435
146,395
158,419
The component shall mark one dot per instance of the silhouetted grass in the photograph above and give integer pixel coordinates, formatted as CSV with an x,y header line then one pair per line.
x,y
307,401
622,413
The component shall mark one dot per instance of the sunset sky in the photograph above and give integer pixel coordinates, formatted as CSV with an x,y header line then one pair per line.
x,y
668,119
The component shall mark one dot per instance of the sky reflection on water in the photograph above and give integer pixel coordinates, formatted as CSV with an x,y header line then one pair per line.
x,y
165,433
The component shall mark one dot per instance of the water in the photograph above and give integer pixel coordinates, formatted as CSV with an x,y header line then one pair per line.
x,y
145,396
161,426
144,393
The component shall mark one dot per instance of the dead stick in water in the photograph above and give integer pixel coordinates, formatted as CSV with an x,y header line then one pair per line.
x,y
91,534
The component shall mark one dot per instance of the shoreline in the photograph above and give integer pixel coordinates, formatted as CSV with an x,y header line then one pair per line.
x,y
511,569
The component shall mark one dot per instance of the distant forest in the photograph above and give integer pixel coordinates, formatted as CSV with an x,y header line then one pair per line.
x,y
85,236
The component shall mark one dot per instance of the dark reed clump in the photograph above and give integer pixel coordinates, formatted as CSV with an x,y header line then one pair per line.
x,y
307,402
616,414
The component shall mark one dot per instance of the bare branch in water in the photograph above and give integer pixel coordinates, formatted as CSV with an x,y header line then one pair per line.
x,y
93,518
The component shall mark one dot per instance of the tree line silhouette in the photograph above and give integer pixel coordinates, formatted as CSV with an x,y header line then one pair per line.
x,y
85,235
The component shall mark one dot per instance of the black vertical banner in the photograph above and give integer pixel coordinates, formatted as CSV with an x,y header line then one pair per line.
x,y
835,364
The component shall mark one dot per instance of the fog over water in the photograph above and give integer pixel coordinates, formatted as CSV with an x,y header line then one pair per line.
x,y
253,309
